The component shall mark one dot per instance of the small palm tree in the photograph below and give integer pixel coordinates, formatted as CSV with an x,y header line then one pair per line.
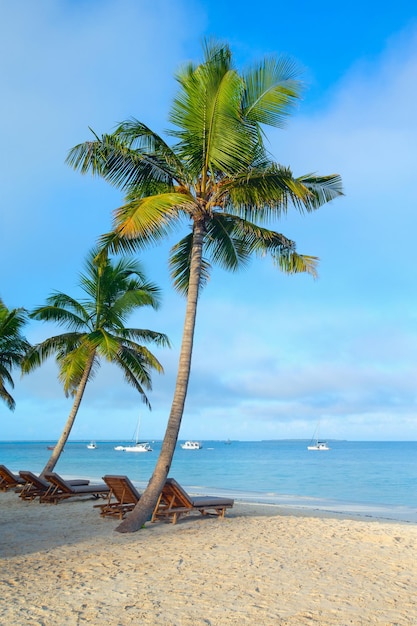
x,y
218,179
97,332
13,347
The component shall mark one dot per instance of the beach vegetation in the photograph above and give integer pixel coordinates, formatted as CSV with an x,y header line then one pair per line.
x,y
213,179
13,347
97,332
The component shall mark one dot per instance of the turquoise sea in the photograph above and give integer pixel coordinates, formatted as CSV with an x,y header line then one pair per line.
x,y
375,478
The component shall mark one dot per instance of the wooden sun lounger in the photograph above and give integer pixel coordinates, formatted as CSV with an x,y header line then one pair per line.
x,y
34,486
62,489
122,497
174,502
9,480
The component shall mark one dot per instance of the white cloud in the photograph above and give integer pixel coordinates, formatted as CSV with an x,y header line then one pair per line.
x,y
273,354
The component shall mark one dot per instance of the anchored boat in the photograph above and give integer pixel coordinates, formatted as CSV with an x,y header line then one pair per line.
x,y
191,445
137,446
316,443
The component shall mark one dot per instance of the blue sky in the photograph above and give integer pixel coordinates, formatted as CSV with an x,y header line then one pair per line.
x,y
273,354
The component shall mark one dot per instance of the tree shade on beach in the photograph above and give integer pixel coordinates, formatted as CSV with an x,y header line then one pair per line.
x,y
13,347
218,178
97,331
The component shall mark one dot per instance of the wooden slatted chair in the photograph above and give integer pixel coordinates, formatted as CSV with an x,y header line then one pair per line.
x,y
122,498
34,487
174,502
63,489
9,480
37,487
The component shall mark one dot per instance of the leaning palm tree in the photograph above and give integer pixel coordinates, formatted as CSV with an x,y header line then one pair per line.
x,y
97,331
13,347
218,178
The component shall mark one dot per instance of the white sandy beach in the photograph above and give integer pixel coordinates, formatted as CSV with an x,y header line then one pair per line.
x,y
261,565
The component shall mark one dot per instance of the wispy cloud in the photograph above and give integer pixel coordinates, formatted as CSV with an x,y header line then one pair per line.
x,y
273,354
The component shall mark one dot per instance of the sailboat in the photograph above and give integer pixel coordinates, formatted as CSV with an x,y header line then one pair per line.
x,y
316,443
138,446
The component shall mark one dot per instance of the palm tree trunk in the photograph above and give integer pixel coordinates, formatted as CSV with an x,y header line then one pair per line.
x,y
144,508
71,418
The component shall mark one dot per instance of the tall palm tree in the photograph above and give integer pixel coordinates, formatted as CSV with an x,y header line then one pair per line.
x,y
13,347
97,331
218,177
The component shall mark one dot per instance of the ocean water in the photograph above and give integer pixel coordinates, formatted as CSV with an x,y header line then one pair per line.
x,y
359,473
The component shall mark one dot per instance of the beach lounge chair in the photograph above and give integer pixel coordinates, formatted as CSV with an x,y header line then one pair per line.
x,y
122,497
63,489
174,502
8,480
34,486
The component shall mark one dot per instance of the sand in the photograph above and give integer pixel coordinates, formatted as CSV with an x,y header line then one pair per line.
x,y
263,565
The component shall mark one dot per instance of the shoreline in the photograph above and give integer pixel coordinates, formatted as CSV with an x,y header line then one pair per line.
x,y
315,507
262,564
299,505
292,504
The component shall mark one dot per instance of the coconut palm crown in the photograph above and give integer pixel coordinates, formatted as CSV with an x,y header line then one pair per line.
x,y
13,347
97,332
217,178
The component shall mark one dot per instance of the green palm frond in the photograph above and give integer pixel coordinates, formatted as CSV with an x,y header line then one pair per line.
x,y
136,364
132,380
11,322
106,343
148,220
272,88
5,375
6,396
132,336
122,166
254,239
93,156
13,347
122,282
12,343
140,138
142,361
266,192
12,352
145,294
294,263
322,189
259,193
207,113
179,263
217,53
72,366
225,244
63,310
244,239
59,345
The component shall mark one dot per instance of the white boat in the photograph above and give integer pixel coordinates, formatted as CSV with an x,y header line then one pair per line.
x,y
191,445
319,445
92,445
316,443
137,446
